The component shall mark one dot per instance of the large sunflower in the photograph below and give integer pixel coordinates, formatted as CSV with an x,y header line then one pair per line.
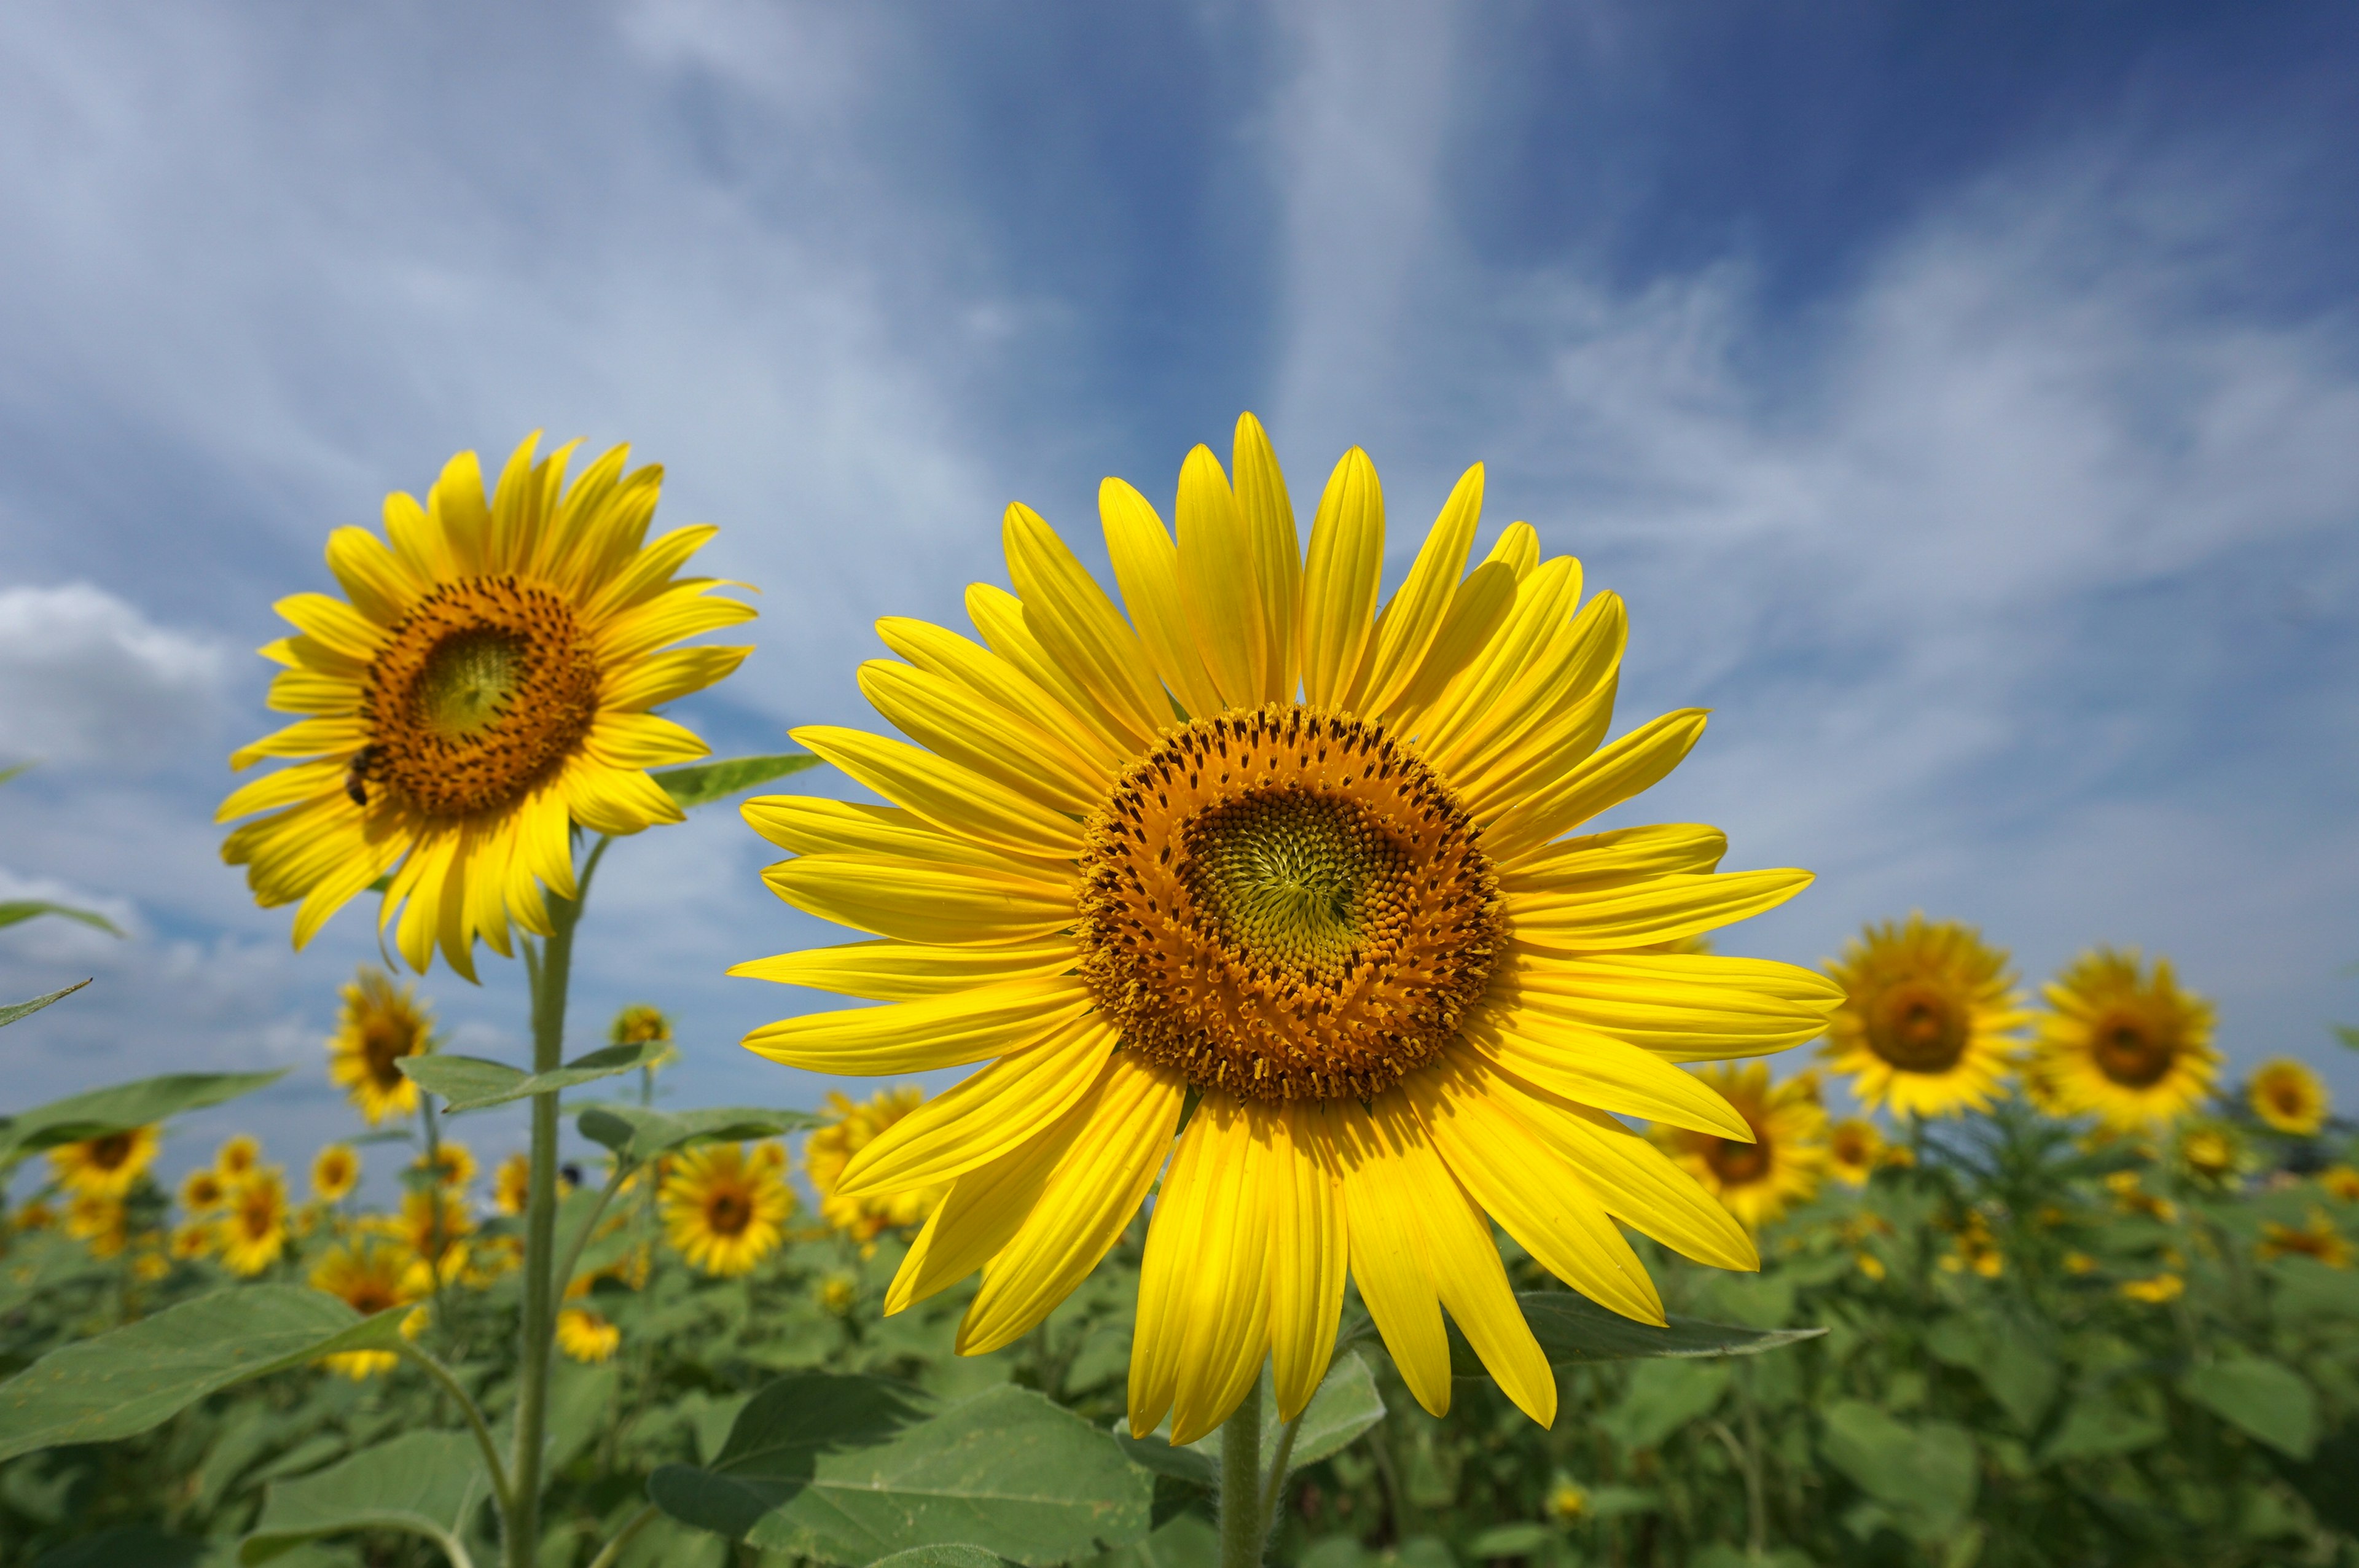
x,y
1778,1167
106,1166
725,1207
483,685
2124,1045
380,1024
1267,850
1927,1018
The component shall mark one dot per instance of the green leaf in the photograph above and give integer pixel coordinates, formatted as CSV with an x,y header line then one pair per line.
x,y
852,1469
638,1133
2348,1035
122,1383
126,1543
424,1482
102,1112
1571,1328
954,1556
2099,1427
1522,1540
1345,1405
2010,1366
21,909
472,1083
2264,1399
705,783
1926,1474
16,1010
1664,1394
37,1263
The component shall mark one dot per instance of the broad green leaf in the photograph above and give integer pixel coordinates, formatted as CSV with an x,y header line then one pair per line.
x,y
1572,1328
101,1111
953,1556
16,1010
21,909
2010,1366
1926,1474
122,1383
1523,1538
704,782
638,1133
852,1469
2348,1035
1664,1394
37,1263
2098,1427
423,1483
2264,1399
472,1083
143,1544
1185,1540
2308,1288
1345,1405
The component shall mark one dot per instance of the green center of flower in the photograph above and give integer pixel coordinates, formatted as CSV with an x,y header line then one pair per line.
x,y
1293,878
468,680
1918,1028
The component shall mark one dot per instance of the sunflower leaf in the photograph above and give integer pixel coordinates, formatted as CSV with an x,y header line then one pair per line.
x,y
124,1382
421,1483
638,1133
704,782
21,909
15,1011
851,1469
97,1112
1572,1328
2267,1398
473,1083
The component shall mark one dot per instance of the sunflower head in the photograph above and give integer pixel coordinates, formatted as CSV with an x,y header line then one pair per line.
x,y
2121,1041
640,1024
451,1165
1568,1501
725,1206
2289,1096
192,1238
850,1127
483,684
1928,1013
32,1216
251,1230
108,1165
2161,1288
2341,1182
335,1171
2320,1238
1973,1249
584,1336
2211,1152
238,1156
369,1274
381,1022
99,1219
1779,1166
203,1189
1855,1149
512,1184
838,1294
433,1228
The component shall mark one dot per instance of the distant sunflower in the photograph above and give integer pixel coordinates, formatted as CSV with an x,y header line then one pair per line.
x,y
639,1025
1761,1177
1925,1024
1854,1148
512,1184
433,1226
725,1207
99,1219
202,1191
584,1336
852,1127
369,1274
252,1231
2125,1045
239,1154
2214,1153
2289,1096
335,1171
1267,847
33,1216
2163,1287
106,1166
483,686
194,1239
380,1024
2342,1182
450,1164
1973,1249
2319,1239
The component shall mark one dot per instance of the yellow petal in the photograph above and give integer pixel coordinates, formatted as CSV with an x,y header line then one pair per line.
x,y
342,734
1260,488
1551,717
1598,1070
949,722
380,587
919,900
998,615
310,691
684,610
456,508
660,678
1636,763
333,623
1206,1311
614,800
1479,606
1410,623
1079,626
628,740
1390,1257
982,1212
997,681
956,800
813,825
1146,568
1544,601
1642,913
1219,588
1340,579
918,1036
287,786
1308,1258
909,971
1641,999
1518,548
1623,855
650,574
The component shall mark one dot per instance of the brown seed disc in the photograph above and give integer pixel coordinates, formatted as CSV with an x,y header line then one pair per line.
x,y
1738,1165
482,689
2132,1051
1286,904
1919,1027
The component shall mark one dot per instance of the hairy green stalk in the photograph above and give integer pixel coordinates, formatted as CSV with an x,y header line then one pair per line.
x,y
1241,1520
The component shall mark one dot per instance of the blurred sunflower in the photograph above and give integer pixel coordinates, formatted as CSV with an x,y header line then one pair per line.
x,y
725,1206
238,1155
194,1239
1854,1148
32,1216
1301,861
1973,1249
2214,1153
1778,1167
512,1184
2342,1182
2155,1291
434,1227
2319,1239
335,1171
106,1166
369,1274
99,1219
2124,1045
639,1025
1927,1017
584,1336
482,686
381,1023
201,1190
838,1294
829,1149
2289,1096
253,1232
450,1165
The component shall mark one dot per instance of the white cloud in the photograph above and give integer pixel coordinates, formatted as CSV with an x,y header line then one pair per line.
x,y
91,680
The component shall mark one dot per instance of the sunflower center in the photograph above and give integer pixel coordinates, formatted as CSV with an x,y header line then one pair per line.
x,y
728,1213
1738,1165
383,1043
109,1152
480,691
1286,904
2130,1051
369,1297
1918,1028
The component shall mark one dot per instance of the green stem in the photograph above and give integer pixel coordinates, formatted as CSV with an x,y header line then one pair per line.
x,y
1241,1518
572,1258
612,1553
500,1495
549,976
1275,1487
435,1240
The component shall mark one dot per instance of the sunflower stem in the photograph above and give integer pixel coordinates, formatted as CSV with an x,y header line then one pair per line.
x,y
447,1382
1240,1514
1274,1488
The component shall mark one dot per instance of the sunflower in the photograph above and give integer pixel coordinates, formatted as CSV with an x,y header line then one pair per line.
x,y
639,1025
380,1024
203,1189
194,1239
725,1207
370,1275
2317,1240
450,1165
1855,1149
108,1165
483,686
2161,1288
1263,853
2124,1045
512,1184
1778,1167
33,1216
253,1232
99,1219
237,1157
1973,1249
830,1149
2214,1153
838,1294
585,1336
335,1171
2289,1096
433,1226
1926,1018
2342,1182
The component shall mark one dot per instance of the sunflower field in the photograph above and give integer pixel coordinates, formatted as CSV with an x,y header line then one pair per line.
x,y
1368,1159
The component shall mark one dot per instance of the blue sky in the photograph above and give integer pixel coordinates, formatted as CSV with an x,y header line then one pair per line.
x,y
1964,401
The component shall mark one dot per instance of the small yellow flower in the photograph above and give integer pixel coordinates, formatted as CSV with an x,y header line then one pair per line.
x,y
1854,1148
725,1207
512,1184
639,1025
1869,1264
2317,1240
201,1190
106,1166
452,1164
335,1171
98,1220
149,1264
830,1149
2155,1291
238,1155
585,1336
1974,1247
2213,1152
1567,1502
434,1227
2080,1263
2130,1197
192,1240
838,1294
2342,1182
2289,1097
370,1275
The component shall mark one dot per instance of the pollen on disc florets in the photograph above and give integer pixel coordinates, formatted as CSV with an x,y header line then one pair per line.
x,y
479,691
1286,904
